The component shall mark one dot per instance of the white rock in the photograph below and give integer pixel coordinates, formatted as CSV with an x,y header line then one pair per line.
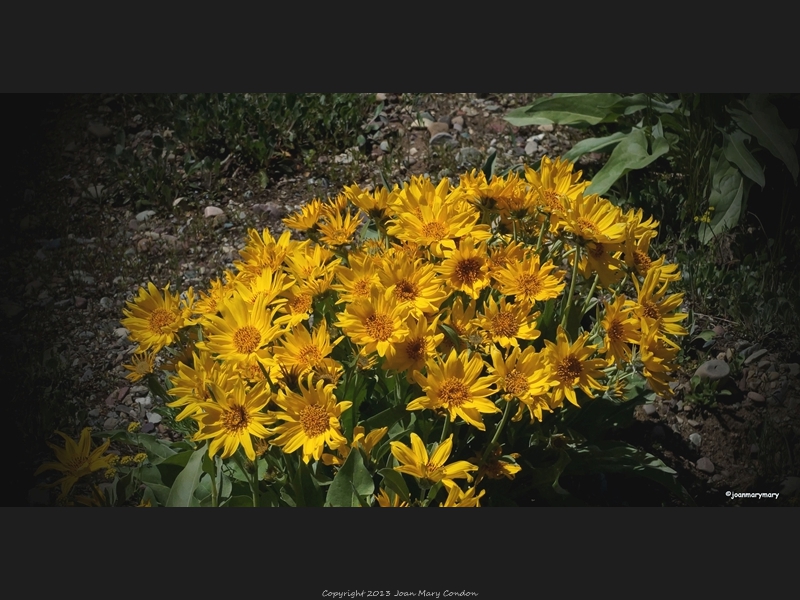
x,y
153,417
144,215
212,211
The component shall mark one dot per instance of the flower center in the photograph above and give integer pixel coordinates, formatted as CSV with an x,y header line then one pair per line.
x,y
569,369
415,349
615,331
552,200
246,339
505,325
468,270
434,230
586,228
310,355
361,288
651,310
159,318
235,419
516,383
453,392
301,304
530,284
379,326
642,261
315,420
406,290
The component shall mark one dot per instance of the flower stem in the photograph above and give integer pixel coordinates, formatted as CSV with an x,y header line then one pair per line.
x,y
576,260
500,426
591,292
543,226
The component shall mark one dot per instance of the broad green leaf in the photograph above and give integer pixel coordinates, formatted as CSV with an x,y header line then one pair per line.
x,y
488,166
727,193
386,418
156,450
396,483
619,457
736,152
160,492
305,487
352,485
182,493
630,154
593,145
238,501
567,109
764,123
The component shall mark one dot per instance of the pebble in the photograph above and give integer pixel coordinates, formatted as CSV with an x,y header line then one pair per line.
x,y
144,215
443,139
99,130
693,423
649,410
794,369
713,370
435,128
756,397
757,354
695,438
106,302
153,417
531,148
705,465
95,412
148,428
110,423
80,302
212,211
458,123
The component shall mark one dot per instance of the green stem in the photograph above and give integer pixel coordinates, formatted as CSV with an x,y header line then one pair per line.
x,y
576,260
445,428
591,292
543,226
214,494
500,426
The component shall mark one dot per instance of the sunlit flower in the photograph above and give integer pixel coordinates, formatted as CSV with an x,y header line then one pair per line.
x,y
419,345
572,367
153,319
242,332
466,269
310,420
505,323
455,386
304,349
523,374
376,324
456,498
431,469
621,330
655,305
531,281
233,417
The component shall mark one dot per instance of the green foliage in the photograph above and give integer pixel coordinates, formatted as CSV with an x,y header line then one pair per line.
x,y
200,137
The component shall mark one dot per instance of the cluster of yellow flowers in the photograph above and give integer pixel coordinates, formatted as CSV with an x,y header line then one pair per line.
x,y
445,286
706,216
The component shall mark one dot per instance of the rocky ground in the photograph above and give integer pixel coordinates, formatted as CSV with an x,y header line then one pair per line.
x,y
76,252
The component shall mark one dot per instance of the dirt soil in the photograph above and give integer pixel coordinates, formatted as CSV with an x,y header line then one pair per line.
x,y
76,250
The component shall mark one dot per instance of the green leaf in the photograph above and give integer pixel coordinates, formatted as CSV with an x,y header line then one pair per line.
x,y
306,489
182,493
157,451
488,166
618,457
567,109
736,152
630,154
727,192
764,123
593,145
237,501
396,483
385,418
353,484
160,492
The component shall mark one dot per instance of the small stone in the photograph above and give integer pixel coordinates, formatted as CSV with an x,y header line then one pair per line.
x,y
546,127
384,146
693,423
153,417
95,412
756,397
443,139
148,428
649,410
695,438
106,302
719,331
763,364
755,355
458,123
121,332
713,370
144,215
99,130
705,465
531,148
80,302
412,151
435,128
212,211
794,369
110,423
